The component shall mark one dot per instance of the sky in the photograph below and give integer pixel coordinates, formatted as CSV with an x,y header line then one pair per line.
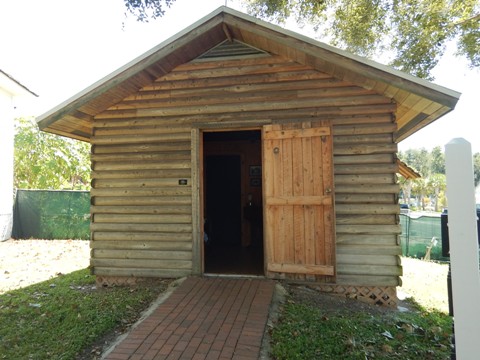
x,y
59,47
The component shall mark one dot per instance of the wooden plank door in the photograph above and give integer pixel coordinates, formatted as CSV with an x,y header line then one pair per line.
x,y
298,195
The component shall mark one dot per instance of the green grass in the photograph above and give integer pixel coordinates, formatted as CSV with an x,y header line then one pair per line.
x,y
57,319
60,318
305,332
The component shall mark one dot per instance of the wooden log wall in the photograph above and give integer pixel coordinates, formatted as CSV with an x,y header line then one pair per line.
x,y
366,190
142,218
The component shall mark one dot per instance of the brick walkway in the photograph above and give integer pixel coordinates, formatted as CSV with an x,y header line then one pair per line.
x,y
204,318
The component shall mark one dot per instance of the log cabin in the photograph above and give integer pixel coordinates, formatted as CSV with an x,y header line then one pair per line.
x,y
239,147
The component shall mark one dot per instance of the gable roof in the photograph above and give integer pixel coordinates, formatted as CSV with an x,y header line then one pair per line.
x,y
419,102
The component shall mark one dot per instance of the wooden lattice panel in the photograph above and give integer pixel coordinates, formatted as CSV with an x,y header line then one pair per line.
x,y
108,281
375,295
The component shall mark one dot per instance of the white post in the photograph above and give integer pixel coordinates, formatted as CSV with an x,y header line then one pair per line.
x,y
462,229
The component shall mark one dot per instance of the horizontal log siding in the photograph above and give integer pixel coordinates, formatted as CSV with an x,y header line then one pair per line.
x,y
141,216
366,203
142,219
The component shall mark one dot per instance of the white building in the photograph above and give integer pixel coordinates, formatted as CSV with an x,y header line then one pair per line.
x,y
12,93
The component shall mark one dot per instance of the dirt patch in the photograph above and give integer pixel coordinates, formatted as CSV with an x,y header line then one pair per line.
x,y
426,281
27,262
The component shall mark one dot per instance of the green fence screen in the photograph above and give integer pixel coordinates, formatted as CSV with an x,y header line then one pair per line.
x,y
419,234
47,214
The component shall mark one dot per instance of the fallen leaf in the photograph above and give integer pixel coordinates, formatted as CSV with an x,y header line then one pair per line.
x,y
408,328
387,334
387,348
350,342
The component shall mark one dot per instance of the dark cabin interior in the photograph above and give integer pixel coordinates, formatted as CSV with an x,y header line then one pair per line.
x,y
233,241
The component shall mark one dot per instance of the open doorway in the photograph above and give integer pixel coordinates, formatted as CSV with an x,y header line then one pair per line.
x,y
223,199
232,197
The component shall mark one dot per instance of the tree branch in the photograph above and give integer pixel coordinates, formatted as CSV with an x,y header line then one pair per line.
x,y
473,18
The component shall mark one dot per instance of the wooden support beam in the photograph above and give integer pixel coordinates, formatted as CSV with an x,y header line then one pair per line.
x,y
302,269
227,32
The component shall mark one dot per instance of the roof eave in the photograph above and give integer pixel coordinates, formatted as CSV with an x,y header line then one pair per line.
x,y
125,72
342,59
375,70
419,123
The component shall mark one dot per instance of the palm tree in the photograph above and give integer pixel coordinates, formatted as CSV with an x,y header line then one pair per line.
x,y
406,188
420,188
437,183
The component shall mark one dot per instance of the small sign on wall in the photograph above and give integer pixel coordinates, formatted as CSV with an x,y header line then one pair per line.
x,y
255,171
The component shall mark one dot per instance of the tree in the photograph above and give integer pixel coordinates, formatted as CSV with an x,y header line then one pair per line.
x,y
405,189
437,161
414,33
144,10
421,187
431,166
46,161
417,159
476,168
437,183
